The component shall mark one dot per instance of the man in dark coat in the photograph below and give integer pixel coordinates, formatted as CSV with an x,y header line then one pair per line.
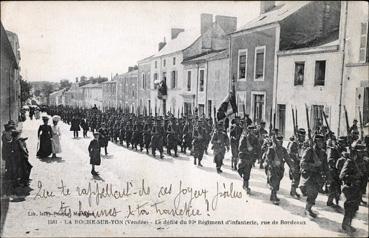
x,y
235,134
198,143
147,134
157,139
351,176
187,137
172,140
295,148
248,153
312,167
94,150
220,143
75,126
103,137
275,158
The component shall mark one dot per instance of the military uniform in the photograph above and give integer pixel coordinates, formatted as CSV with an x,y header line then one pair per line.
x,y
220,142
147,135
172,139
248,152
275,158
235,134
312,166
351,175
198,143
157,140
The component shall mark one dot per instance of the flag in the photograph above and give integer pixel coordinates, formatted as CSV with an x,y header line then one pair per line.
x,y
227,107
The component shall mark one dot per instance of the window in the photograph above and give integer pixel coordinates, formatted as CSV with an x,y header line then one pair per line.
x,y
242,60
363,54
143,81
147,84
173,82
202,80
188,80
299,73
164,62
259,63
174,60
319,73
156,64
155,80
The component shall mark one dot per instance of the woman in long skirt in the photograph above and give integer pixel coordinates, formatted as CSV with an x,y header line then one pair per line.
x,y
44,134
56,147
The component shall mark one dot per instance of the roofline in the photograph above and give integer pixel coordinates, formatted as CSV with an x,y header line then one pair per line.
x,y
309,50
9,46
253,29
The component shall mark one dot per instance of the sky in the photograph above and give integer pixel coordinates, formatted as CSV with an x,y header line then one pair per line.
x,y
65,40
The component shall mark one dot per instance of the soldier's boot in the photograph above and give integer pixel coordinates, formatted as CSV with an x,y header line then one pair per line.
x,y
161,155
106,150
175,152
337,199
194,161
346,223
219,170
330,200
168,152
351,216
199,164
308,210
293,192
275,196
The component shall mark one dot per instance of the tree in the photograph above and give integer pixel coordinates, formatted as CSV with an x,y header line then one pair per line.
x,y
47,88
25,90
64,83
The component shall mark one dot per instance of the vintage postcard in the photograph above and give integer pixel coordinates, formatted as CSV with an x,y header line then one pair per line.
x,y
184,119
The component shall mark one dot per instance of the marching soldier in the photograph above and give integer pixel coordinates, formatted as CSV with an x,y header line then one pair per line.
x,y
351,175
147,134
157,140
295,150
220,143
275,158
311,164
248,152
198,143
235,134
261,134
128,133
172,139
103,137
187,137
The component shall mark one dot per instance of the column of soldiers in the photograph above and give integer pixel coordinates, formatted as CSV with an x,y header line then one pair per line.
x,y
340,165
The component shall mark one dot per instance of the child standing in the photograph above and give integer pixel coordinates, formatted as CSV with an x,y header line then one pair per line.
x,y
94,151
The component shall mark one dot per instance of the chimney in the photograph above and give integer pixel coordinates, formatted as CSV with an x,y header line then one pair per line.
x,y
227,23
206,22
266,6
175,32
162,44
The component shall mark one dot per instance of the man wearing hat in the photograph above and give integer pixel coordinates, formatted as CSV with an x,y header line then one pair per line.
x,y
351,175
157,139
363,162
248,152
295,148
261,134
198,142
235,134
312,167
7,150
220,142
275,158
354,127
94,150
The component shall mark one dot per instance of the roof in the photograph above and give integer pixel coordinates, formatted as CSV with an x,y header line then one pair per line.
x,y
91,85
207,57
181,42
6,42
145,60
278,13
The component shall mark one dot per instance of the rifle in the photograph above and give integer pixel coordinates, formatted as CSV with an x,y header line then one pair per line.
x,y
273,120
326,121
294,122
308,124
361,126
297,126
270,121
347,127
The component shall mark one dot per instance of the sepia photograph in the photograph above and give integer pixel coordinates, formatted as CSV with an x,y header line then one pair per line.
x,y
184,119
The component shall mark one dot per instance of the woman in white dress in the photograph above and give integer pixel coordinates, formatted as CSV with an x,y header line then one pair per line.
x,y
55,142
